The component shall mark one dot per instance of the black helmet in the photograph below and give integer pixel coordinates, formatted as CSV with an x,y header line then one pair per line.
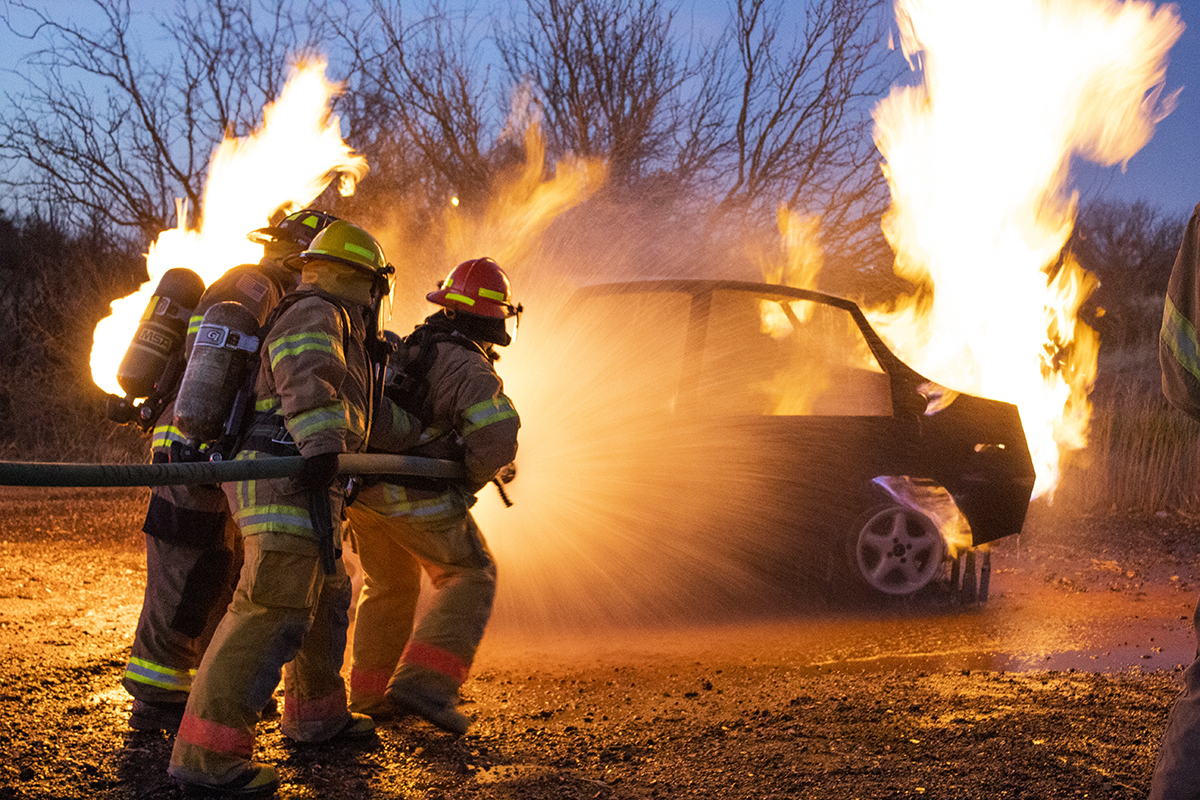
x,y
299,228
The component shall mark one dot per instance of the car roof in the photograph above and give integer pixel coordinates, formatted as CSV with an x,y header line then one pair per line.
x,y
705,285
697,287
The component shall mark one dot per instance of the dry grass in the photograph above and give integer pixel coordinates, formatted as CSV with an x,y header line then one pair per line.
x,y
1142,455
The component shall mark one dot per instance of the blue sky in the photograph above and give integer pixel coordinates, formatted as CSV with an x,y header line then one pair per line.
x,y
1165,173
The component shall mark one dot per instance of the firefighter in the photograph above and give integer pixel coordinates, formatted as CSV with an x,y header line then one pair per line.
x,y
445,377
1177,765
315,399
193,551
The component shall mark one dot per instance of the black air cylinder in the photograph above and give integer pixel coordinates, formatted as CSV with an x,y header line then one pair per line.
x,y
160,332
215,370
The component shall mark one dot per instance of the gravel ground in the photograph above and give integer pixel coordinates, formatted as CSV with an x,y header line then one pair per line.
x,y
638,721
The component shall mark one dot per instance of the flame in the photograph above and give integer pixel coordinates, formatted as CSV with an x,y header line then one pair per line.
x,y
525,205
281,167
977,158
803,256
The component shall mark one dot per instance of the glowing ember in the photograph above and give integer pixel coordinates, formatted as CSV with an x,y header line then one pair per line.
x,y
280,168
977,157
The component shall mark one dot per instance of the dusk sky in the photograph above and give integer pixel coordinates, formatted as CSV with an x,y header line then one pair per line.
x,y
1165,173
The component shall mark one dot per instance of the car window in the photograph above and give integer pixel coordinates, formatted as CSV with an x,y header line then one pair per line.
x,y
782,356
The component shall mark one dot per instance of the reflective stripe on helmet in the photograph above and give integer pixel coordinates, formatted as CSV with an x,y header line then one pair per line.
x,y
362,251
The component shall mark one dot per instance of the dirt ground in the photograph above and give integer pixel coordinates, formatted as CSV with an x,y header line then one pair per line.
x,y
623,721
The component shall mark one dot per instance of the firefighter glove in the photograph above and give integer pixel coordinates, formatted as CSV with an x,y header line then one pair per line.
x,y
318,472
507,472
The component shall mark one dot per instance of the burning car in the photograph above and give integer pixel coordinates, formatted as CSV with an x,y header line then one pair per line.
x,y
797,439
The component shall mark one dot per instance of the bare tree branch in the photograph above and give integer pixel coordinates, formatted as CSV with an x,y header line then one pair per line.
x,y
609,74
105,131
802,130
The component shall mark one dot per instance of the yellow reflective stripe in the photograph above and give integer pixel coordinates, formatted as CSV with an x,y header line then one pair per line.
x,y
254,518
194,324
153,304
153,674
486,413
362,251
356,421
396,503
268,404
298,343
163,435
274,518
244,490
401,421
491,295
462,298
1179,335
307,423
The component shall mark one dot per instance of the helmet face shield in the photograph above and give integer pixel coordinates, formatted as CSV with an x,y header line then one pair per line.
x,y
385,281
381,290
512,323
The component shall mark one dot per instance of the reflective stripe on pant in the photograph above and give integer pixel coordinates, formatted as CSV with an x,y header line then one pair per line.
x,y
187,591
285,610
437,656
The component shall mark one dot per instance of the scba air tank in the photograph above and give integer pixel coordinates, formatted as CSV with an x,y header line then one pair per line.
x,y
215,371
245,284
160,333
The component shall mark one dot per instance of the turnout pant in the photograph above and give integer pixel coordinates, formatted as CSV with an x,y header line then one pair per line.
x,y
193,555
285,609
436,656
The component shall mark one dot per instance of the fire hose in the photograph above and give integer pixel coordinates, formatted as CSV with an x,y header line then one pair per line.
x,y
42,473
24,473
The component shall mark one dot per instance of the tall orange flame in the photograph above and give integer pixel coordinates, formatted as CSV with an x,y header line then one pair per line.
x,y
281,167
977,158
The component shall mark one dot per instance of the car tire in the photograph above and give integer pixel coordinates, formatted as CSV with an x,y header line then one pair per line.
x,y
894,550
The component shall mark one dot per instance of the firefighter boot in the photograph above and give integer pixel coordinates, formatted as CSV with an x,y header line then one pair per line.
x,y
147,716
256,780
439,711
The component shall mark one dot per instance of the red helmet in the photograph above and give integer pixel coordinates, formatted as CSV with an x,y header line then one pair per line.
x,y
477,287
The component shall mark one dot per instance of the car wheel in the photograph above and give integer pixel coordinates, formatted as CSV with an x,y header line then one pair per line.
x,y
897,550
